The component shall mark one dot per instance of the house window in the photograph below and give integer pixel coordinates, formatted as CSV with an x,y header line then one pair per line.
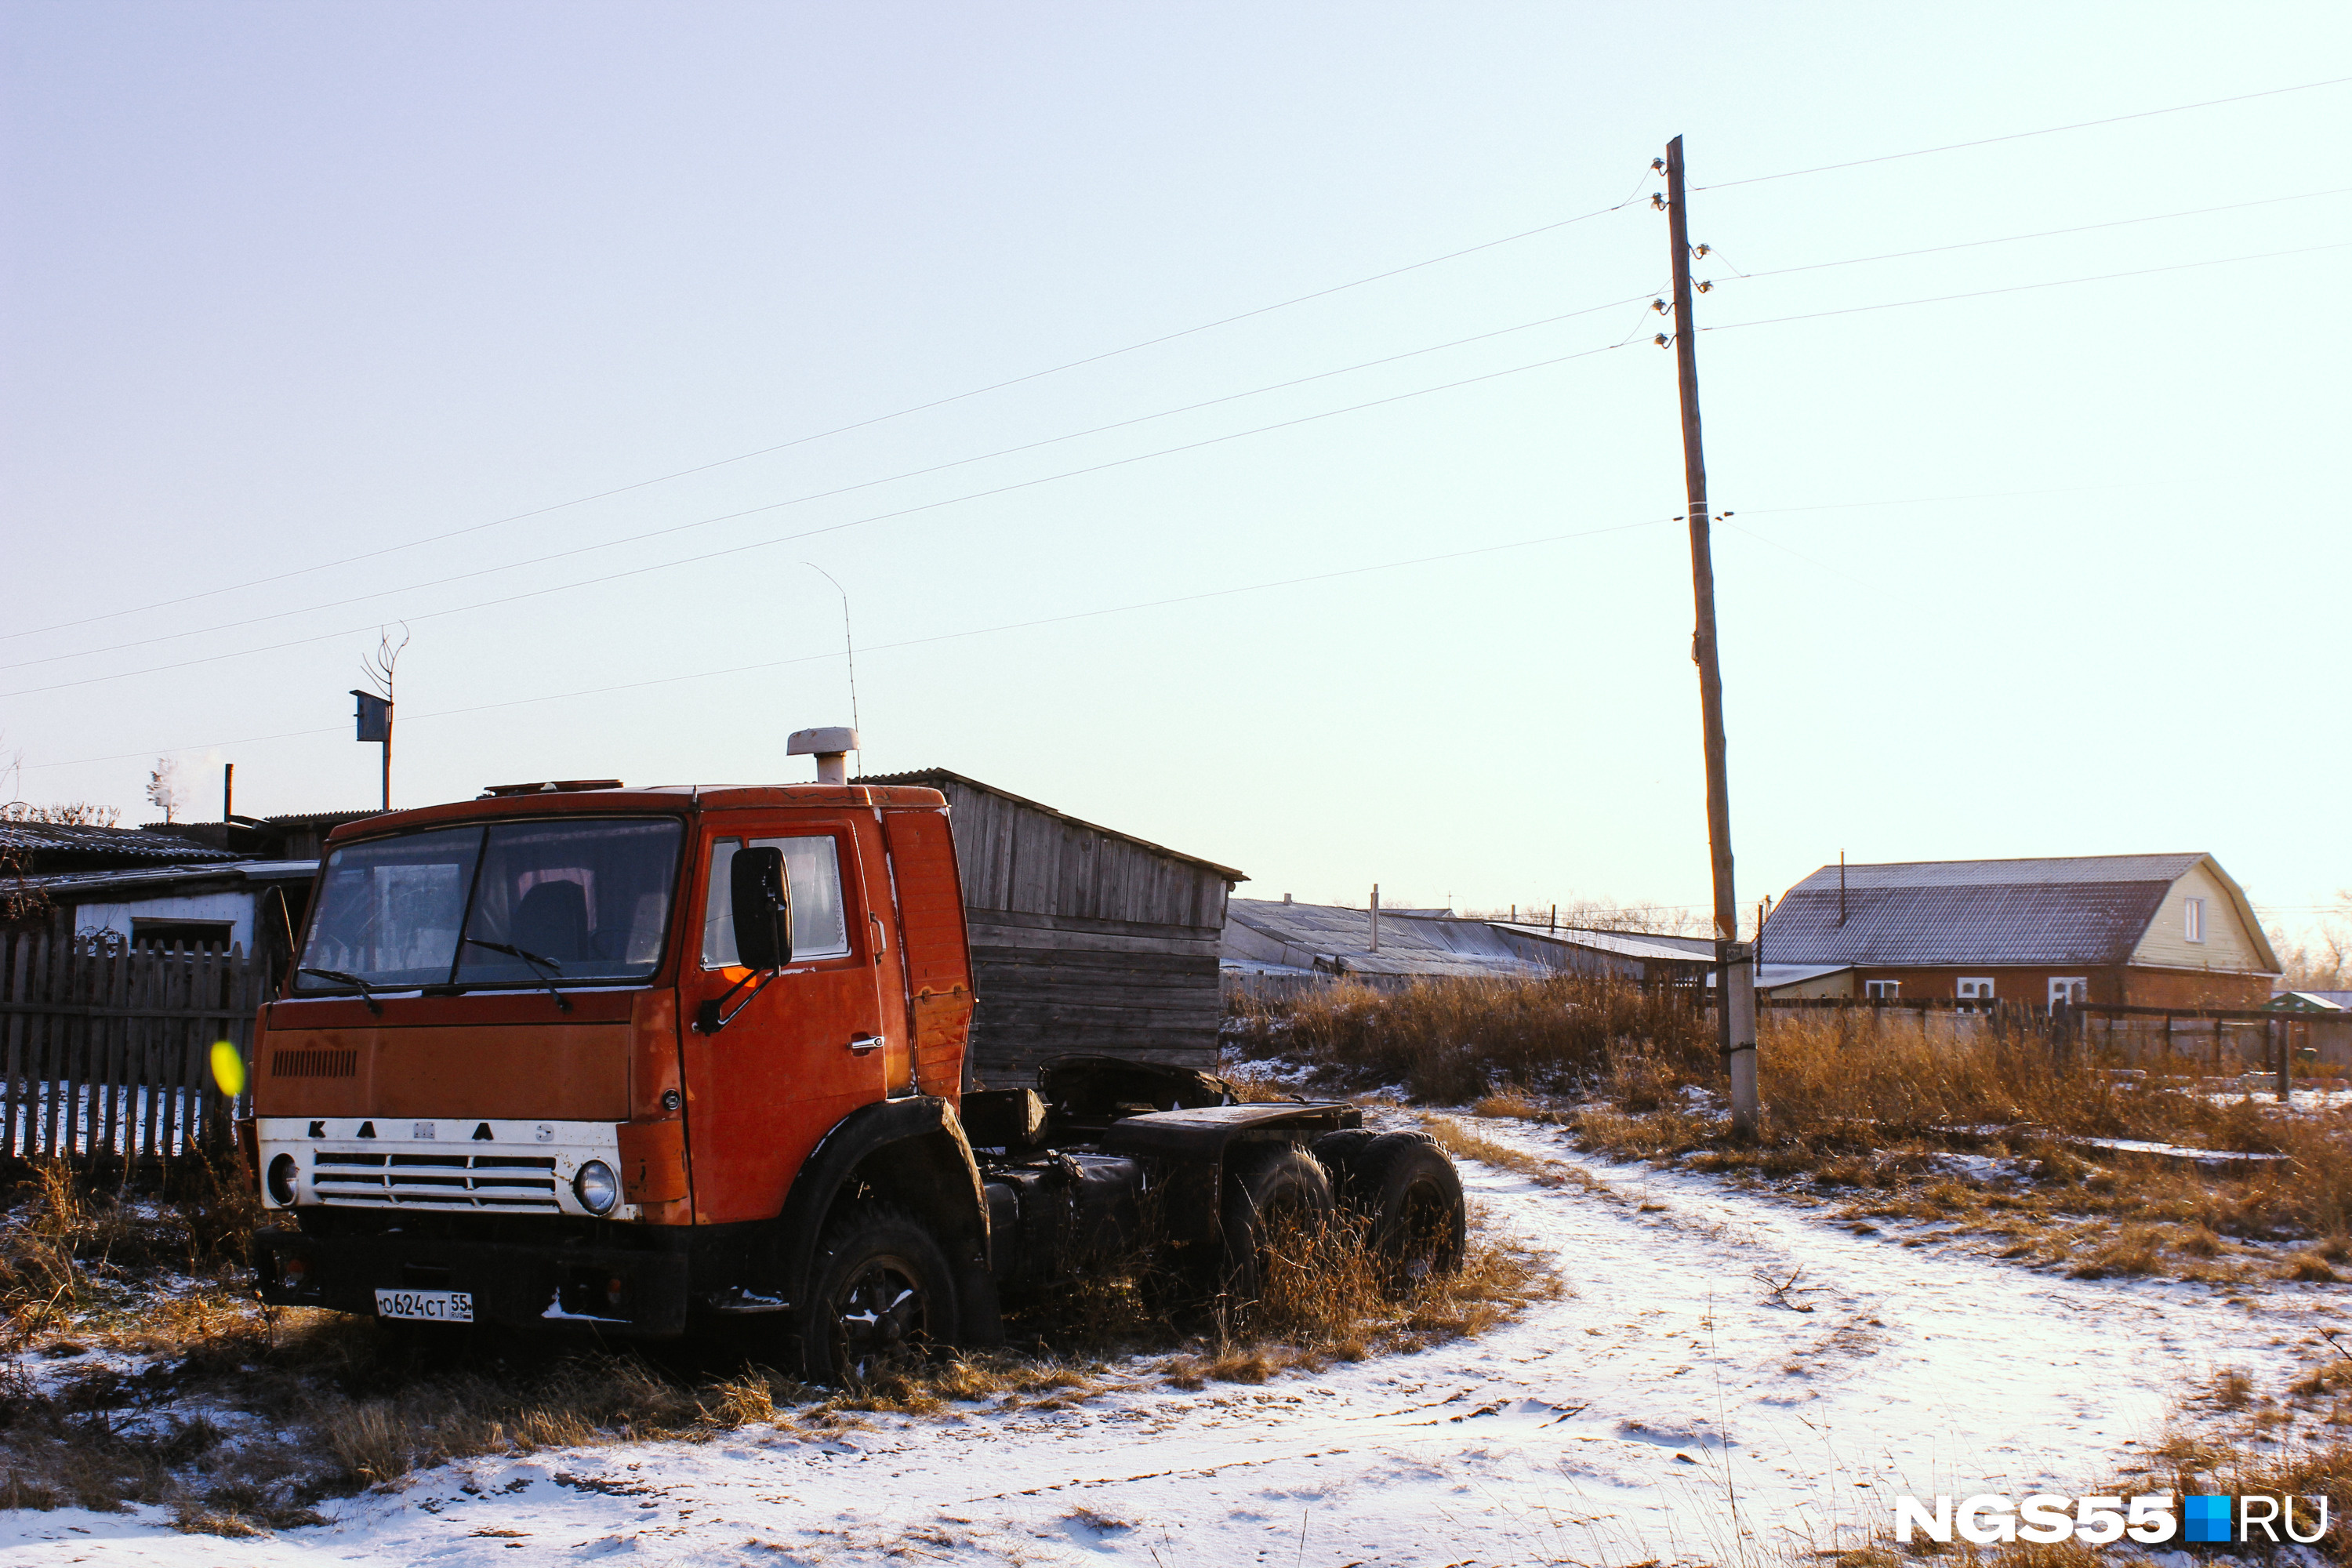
x,y
2069,990
1881,990
1976,993
2193,919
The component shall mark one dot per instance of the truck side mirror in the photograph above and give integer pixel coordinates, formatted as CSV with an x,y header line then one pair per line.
x,y
762,897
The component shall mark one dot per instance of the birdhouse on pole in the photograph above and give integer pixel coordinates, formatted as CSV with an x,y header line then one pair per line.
x,y
376,725
374,717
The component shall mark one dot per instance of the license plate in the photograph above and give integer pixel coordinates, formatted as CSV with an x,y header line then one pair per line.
x,y
427,1306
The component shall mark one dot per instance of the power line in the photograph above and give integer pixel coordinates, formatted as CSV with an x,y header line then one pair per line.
x,y
2023,135
998,490
834,527
912,642
830,494
1082,615
2045,233
1171,413
2022,288
858,425
1131,348
880,517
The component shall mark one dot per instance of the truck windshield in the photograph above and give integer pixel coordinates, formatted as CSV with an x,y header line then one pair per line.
x,y
592,898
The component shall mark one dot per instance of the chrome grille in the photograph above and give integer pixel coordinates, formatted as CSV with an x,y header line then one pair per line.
x,y
452,1181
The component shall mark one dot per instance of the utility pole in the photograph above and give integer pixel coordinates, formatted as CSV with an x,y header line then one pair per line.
x,y
1734,965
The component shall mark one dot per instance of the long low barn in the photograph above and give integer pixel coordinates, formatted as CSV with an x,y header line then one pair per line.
x,y
1083,938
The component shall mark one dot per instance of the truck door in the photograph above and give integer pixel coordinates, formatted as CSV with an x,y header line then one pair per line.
x,y
931,928
804,1053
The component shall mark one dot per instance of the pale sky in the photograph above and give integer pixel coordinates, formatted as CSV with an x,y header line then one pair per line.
x,y
2059,570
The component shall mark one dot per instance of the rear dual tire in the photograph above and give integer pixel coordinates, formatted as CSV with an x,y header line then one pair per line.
x,y
1269,1196
1409,1191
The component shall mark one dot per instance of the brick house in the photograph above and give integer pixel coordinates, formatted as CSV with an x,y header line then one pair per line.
x,y
2155,931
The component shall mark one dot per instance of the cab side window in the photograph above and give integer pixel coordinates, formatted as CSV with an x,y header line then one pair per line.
x,y
820,922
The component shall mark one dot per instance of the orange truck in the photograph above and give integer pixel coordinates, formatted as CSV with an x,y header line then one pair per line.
x,y
574,1056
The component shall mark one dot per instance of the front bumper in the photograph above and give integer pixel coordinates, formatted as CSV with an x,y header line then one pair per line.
x,y
638,1291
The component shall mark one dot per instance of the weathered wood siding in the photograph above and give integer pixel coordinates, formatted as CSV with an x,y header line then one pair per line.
x,y
1082,940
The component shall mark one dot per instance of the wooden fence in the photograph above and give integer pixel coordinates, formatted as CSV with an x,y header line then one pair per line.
x,y
108,1055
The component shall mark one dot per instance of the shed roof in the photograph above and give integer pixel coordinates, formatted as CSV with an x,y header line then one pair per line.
x,y
2075,909
127,844
2313,1001
135,881
937,778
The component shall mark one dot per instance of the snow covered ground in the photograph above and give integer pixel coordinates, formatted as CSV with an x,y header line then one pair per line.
x,y
1671,1407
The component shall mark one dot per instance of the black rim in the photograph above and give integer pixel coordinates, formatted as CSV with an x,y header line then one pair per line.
x,y
881,1319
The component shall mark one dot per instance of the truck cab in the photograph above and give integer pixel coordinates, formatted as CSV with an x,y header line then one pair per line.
x,y
578,1057
496,1084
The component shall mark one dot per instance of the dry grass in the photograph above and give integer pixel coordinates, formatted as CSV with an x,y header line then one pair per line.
x,y
337,1404
1454,1040
70,1244
1327,1299
1864,1111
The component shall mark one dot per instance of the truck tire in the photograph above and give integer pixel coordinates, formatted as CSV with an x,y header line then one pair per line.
x,y
1410,1189
1337,1152
881,1298
1267,1187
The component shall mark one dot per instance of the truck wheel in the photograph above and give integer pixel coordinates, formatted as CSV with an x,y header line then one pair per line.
x,y
881,1298
1413,1194
1266,1193
1337,1152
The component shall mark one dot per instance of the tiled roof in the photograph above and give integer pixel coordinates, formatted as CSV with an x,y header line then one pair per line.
x,y
2081,909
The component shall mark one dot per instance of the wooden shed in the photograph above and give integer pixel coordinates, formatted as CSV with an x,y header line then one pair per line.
x,y
1083,938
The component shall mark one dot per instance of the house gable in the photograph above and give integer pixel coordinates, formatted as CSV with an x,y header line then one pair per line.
x,y
2233,937
2068,915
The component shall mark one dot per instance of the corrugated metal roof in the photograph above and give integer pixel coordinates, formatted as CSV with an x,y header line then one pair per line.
x,y
150,878
119,843
1625,943
2054,871
2079,910
1329,936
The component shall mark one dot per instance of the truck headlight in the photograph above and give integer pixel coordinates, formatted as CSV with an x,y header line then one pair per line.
x,y
596,1187
280,1181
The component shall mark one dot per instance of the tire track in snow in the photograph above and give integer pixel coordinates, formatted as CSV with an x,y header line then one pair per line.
x,y
1666,1408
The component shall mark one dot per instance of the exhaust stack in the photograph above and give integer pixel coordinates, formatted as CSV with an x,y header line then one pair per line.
x,y
831,748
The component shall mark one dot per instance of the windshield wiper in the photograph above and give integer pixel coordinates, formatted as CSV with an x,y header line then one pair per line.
x,y
367,993
536,963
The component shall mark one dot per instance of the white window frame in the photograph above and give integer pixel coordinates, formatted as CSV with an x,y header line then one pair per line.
x,y
1882,990
1973,990
2193,919
2063,988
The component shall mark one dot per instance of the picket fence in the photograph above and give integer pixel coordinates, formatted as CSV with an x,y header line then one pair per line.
x,y
109,1055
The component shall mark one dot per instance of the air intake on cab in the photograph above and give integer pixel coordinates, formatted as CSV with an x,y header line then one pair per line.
x,y
831,748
